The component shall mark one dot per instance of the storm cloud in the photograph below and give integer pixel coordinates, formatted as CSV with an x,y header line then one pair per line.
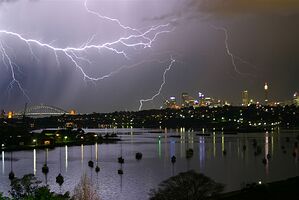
x,y
230,7
263,33
7,1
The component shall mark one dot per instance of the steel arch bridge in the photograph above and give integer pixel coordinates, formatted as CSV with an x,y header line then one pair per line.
x,y
42,110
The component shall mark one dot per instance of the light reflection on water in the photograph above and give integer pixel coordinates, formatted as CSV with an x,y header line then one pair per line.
x,y
34,161
234,169
3,163
66,158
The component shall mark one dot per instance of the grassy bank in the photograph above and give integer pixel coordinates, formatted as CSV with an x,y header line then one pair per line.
x,y
286,189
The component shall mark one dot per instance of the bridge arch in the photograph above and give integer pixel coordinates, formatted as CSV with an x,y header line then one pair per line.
x,y
43,110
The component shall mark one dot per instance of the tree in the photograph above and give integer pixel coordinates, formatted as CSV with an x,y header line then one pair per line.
x,y
23,187
3,197
188,185
44,193
29,188
84,190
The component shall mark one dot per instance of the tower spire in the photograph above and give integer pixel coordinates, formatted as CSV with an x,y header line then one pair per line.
x,y
266,88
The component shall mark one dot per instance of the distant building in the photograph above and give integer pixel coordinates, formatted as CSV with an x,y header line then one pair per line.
x,y
10,115
245,98
187,100
72,112
208,101
171,103
296,99
201,97
266,93
196,104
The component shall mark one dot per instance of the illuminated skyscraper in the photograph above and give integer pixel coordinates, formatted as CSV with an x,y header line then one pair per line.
x,y
266,88
185,99
201,97
171,103
245,98
296,99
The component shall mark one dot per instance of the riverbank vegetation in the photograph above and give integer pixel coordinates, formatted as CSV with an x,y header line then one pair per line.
x,y
29,188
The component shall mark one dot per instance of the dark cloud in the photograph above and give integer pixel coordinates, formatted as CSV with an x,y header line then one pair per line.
x,y
245,6
206,9
259,33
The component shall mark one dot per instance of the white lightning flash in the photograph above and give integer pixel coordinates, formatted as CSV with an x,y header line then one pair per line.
x,y
168,68
75,55
11,66
108,18
230,54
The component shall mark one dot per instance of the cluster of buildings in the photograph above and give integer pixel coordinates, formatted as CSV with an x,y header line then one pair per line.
x,y
187,101
247,101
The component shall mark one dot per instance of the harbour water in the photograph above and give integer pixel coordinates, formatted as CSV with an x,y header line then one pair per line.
x,y
234,168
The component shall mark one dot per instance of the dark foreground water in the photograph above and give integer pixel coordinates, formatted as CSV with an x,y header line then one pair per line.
x,y
234,169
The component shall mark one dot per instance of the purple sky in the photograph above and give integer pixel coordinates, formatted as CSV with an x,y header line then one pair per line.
x,y
262,33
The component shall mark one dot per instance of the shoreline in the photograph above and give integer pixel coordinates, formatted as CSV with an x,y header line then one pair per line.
x,y
283,189
14,148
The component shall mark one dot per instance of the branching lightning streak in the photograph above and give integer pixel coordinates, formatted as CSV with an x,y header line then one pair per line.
x,y
230,54
10,64
168,68
69,51
125,67
108,18
74,54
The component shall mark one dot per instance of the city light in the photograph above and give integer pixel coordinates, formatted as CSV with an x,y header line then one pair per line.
x,y
10,115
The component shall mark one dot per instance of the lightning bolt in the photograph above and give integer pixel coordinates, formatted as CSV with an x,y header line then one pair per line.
x,y
230,54
168,68
108,18
123,67
11,66
75,55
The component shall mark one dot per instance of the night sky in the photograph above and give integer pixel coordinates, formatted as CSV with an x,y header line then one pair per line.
x,y
262,36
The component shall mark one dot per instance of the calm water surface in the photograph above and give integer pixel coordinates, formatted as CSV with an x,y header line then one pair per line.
x,y
234,169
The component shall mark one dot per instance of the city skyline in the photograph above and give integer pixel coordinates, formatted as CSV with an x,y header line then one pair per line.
x,y
184,101
219,51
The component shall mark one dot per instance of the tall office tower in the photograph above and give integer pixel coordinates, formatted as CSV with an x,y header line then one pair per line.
x,y
185,99
245,98
266,88
296,99
201,97
171,103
